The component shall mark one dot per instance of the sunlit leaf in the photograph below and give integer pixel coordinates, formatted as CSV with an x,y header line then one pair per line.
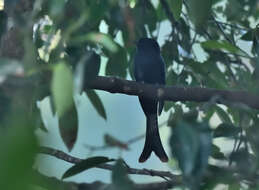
x,y
62,88
98,38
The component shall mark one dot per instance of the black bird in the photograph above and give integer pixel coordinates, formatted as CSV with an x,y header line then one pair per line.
x,y
149,67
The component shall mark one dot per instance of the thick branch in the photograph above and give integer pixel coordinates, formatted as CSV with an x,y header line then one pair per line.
x,y
173,93
170,93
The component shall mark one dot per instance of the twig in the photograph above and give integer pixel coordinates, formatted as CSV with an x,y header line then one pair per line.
x,y
54,183
129,142
176,179
228,24
222,31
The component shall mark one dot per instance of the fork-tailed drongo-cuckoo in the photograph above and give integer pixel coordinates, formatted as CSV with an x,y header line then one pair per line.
x,y
149,67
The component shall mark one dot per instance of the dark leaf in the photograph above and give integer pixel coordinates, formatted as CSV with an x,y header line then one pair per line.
x,y
223,115
223,45
117,64
191,145
85,165
185,146
68,127
176,6
198,13
216,153
226,130
120,178
92,66
97,103
3,23
245,161
86,69
248,36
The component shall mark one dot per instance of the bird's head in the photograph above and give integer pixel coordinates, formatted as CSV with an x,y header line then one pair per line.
x,y
148,44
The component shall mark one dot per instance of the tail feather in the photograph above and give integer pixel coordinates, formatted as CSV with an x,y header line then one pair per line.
x,y
153,141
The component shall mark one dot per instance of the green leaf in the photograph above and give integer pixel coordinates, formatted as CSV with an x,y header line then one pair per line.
x,y
117,64
199,11
226,130
62,88
86,70
176,6
217,45
98,38
185,146
3,22
191,145
57,7
92,66
120,178
97,103
224,117
216,153
20,147
168,105
234,186
85,165
248,36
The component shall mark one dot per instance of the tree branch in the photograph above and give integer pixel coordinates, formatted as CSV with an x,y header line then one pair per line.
x,y
54,183
174,179
169,93
173,93
126,143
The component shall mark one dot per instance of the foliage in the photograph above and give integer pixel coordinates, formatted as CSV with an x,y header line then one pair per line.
x,y
67,40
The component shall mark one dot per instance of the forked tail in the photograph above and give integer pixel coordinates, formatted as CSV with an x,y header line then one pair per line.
x,y
153,141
